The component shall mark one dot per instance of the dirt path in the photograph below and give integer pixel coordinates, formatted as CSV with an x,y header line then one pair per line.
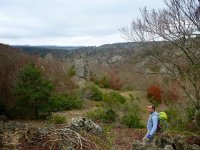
x,y
124,137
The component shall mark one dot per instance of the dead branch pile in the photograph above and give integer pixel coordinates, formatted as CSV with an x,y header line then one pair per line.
x,y
55,139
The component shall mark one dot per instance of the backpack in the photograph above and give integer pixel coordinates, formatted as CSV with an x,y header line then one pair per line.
x,y
162,122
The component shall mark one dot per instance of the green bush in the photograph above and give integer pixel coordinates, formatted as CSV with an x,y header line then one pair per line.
x,y
190,113
113,100
57,119
104,115
96,93
60,102
71,72
103,83
32,93
117,97
132,117
175,119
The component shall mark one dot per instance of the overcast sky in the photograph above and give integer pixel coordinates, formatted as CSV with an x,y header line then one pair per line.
x,y
67,22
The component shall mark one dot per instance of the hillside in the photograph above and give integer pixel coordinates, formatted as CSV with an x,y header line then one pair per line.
x,y
105,54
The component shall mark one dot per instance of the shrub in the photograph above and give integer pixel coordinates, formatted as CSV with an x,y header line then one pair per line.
x,y
60,102
170,96
93,77
112,100
114,80
103,83
190,113
154,93
175,119
104,115
96,93
71,71
110,115
57,119
97,114
32,93
132,117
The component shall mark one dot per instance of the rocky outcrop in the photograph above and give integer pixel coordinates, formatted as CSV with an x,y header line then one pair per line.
x,y
81,123
82,71
116,59
165,141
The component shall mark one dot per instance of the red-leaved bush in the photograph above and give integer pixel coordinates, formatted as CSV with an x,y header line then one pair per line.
x,y
155,92
114,80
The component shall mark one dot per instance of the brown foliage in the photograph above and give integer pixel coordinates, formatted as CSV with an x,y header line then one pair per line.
x,y
11,61
114,79
56,71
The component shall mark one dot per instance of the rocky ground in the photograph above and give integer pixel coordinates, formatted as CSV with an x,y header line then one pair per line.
x,y
33,135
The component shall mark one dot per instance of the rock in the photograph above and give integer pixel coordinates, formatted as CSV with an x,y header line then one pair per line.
x,y
163,139
193,140
12,126
140,146
82,68
168,147
193,147
85,124
179,142
137,145
116,59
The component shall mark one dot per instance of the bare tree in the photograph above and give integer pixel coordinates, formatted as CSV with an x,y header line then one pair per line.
x,y
177,25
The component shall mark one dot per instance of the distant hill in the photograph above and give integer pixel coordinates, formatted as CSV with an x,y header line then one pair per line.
x,y
105,54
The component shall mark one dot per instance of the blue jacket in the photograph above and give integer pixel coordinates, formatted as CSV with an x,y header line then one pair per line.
x,y
152,123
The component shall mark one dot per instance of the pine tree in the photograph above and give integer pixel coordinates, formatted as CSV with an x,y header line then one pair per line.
x,y
32,92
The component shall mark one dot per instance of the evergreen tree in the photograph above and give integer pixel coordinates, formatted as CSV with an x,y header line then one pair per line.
x,y
32,92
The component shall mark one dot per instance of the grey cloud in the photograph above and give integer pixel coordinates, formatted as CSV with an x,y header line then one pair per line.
x,y
67,18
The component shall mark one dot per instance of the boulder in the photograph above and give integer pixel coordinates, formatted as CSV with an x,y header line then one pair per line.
x,y
82,68
116,59
193,147
179,142
82,123
193,139
137,145
163,139
168,147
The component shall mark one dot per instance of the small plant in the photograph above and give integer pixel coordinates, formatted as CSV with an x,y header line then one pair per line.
x,y
175,119
71,72
108,134
60,102
104,115
103,83
97,114
57,119
96,93
113,100
132,117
